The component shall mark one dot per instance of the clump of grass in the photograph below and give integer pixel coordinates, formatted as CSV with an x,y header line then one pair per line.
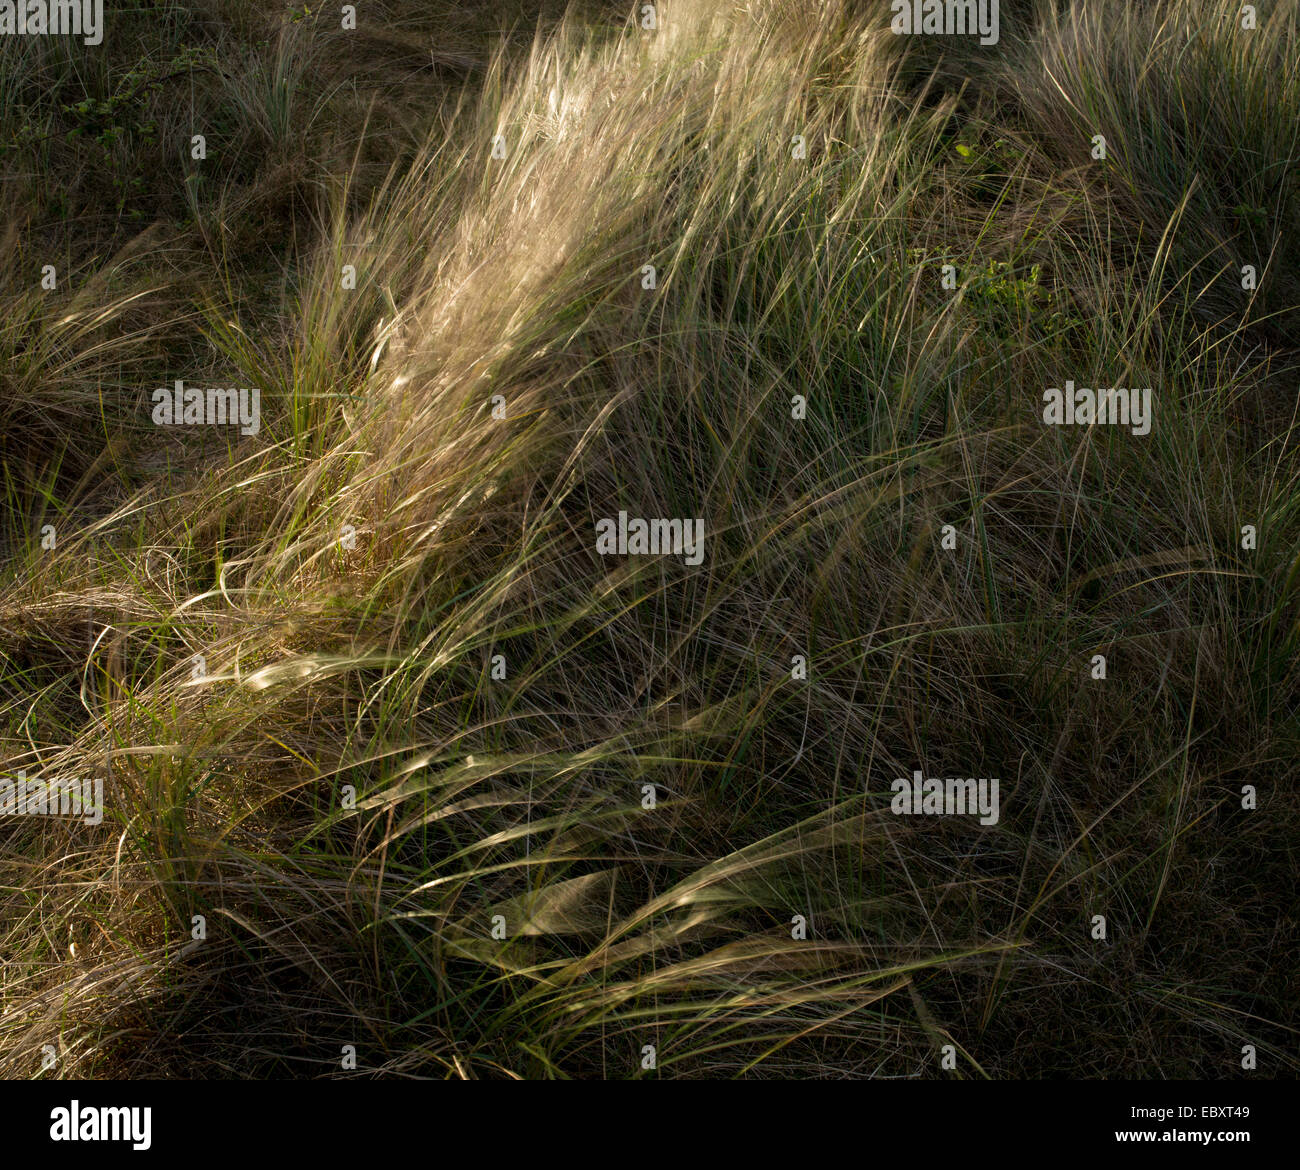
x,y
1198,114
74,344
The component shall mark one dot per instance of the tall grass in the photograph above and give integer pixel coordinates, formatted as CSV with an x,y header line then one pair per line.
x,y
365,665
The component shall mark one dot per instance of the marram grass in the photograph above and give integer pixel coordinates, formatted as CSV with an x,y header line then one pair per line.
x,y
395,758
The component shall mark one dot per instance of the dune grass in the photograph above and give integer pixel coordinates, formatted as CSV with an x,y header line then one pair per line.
x,y
426,706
